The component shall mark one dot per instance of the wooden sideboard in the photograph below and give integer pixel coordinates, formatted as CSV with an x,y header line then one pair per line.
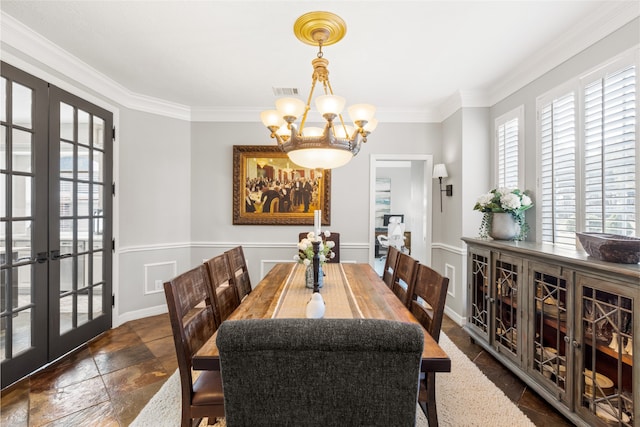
x,y
563,322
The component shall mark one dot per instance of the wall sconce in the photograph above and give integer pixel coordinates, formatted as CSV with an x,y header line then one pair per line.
x,y
440,171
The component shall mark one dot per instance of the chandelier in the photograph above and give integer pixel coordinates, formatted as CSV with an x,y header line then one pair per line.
x,y
337,143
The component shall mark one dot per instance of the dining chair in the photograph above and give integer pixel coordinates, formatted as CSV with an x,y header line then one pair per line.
x,y
320,372
193,323
238,266
224,292
427,305
404,278
335,238
390,265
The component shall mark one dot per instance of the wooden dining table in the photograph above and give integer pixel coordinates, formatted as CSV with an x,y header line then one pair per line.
x,y
350,290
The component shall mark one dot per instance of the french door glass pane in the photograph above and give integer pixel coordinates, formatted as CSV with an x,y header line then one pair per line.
x,y
22,101
98,133
3,100
83,127
24,276
83,263
98,166
21,332
22,240
67,166
83,163
66,121
3,148
66,274
21,195
97,301
66,314
21,151
83,306
83,199
98,275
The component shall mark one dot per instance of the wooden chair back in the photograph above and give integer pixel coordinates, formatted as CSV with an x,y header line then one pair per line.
x,y
404,278
335,238
224,292
320,372
428,299
390,265
193,322
238,266
427,305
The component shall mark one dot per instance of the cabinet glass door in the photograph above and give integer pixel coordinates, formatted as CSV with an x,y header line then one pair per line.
x,y
606,380
550,355
479,291
505,283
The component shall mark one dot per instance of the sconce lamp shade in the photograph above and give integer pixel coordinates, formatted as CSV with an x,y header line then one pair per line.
x,y
440,171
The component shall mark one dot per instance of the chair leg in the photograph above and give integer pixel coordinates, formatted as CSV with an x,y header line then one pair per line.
x,y
432,413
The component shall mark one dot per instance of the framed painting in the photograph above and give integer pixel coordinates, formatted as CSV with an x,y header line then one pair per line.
x,y
269,189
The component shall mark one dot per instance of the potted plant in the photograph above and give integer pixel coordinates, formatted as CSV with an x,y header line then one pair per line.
x,y
503,214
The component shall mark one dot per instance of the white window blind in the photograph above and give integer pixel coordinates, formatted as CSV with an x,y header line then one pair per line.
x,y
508,142
610,153
558,170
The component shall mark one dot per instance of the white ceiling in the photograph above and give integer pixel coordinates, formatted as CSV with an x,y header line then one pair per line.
x,y
405,57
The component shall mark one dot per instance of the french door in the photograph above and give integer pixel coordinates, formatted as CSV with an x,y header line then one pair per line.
x,y
55,230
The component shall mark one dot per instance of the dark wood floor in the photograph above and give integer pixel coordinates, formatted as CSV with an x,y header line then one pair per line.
x,y
111,380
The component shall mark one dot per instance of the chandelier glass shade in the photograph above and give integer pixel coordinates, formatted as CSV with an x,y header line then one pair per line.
x,y
335,144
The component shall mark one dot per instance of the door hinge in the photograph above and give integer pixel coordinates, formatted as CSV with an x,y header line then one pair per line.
x,y
113,245
113,135
113,300
113,189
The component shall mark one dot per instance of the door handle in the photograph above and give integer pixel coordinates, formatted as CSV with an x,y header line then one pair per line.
x,y
55,255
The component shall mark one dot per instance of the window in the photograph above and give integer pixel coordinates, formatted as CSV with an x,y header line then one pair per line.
x,y
588,157
610,153
558,169
508,142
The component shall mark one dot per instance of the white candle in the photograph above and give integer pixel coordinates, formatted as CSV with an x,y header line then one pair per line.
x,y
316,222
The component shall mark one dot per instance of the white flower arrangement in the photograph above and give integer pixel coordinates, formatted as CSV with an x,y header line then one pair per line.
x,y
508,200
305,248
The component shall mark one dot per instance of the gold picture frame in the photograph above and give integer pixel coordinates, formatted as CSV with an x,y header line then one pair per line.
x,y
269,189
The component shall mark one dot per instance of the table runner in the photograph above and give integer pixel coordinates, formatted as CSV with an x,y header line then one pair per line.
x,y
338,297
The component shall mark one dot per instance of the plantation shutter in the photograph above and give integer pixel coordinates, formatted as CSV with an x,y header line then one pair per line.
x,y
558,170
508,154
610,153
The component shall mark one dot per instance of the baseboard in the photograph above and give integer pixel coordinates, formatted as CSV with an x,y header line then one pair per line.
x,y
461,321
139,314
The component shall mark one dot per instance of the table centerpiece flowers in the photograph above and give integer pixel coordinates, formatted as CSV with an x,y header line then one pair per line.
x,y
504,213
305,254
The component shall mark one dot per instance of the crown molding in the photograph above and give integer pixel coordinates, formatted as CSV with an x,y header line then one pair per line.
x,y
462,99
604,21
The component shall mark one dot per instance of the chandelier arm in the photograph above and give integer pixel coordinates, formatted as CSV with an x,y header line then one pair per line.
x,y
308,105
327,83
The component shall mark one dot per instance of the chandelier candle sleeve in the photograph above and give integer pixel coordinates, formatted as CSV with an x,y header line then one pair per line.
x,y
317,214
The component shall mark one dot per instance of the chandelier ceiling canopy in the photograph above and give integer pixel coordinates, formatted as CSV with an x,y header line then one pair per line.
x,y
335,144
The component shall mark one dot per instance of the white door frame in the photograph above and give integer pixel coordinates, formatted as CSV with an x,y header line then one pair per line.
x,y
426,238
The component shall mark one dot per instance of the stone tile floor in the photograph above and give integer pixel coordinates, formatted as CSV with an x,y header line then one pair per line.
x,y
110,380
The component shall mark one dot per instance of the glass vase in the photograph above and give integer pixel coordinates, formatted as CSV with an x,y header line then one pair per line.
x,y
308,275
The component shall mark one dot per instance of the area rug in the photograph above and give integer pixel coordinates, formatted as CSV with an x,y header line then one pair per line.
x,y
465,397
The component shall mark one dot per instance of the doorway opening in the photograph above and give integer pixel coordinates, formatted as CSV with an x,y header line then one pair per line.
x,y
400,193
